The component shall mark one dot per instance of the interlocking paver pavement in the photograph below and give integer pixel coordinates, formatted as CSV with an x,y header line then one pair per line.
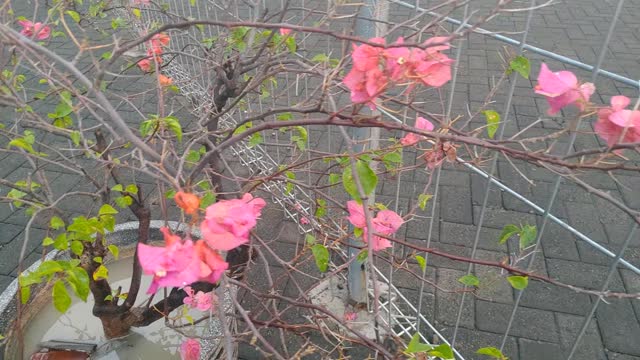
x,y
546,325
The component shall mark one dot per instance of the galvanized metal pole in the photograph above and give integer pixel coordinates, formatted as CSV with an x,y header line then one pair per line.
x,y
356,278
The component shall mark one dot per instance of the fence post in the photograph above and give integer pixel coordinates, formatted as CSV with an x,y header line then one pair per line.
x,y
357,280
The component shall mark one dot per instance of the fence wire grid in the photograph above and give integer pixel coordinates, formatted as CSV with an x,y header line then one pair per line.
x,y
499,189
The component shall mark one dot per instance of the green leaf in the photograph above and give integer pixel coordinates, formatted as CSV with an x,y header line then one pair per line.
x,y
131,189
75,137
334,179
78,279
521,65
518,282
255,139
368,179
415,346
74,15
422,262
527,235
507,232
25,294
118,188
320,58
101,273
284,116
362,256
77,247
56,223
97,259
470,280
173,124
124,201
47,241
291,44
392,157
61,298
49,267
309,239
357,232
106,55
423,199
107,209
208,199
114,250
491,351
321,255
321,208
61,242
493,121
443,351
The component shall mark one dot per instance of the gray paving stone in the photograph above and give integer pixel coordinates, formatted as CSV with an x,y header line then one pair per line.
x,y
457,203
448,303
536,350
478,190
582,274
529,323
618,323
629,186
10,252
631,282
464,235
618,356
469,341
8,232
5,281
590,347
499,218
585,218
550,297
558,242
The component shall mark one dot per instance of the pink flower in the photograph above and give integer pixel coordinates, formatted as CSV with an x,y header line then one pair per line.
x,y
212,265
180,263
145,65
141,2
367,57
350,316
304,221
200,300
562,89
429,66
29,28
190,350
411,138
615,121
176,264
285,32
228,222
386,222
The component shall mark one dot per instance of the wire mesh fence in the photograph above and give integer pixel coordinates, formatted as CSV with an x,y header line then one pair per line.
x,y
501,188
462,201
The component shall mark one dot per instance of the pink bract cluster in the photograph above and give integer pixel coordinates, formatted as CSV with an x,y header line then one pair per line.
x,y
190,350
29,28
376,68
155,49
615,124
386,222
180,263
411,138
200,300
618,125
227,223
562,89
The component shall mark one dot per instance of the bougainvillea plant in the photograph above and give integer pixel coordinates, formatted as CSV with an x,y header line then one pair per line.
x,y
137,151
